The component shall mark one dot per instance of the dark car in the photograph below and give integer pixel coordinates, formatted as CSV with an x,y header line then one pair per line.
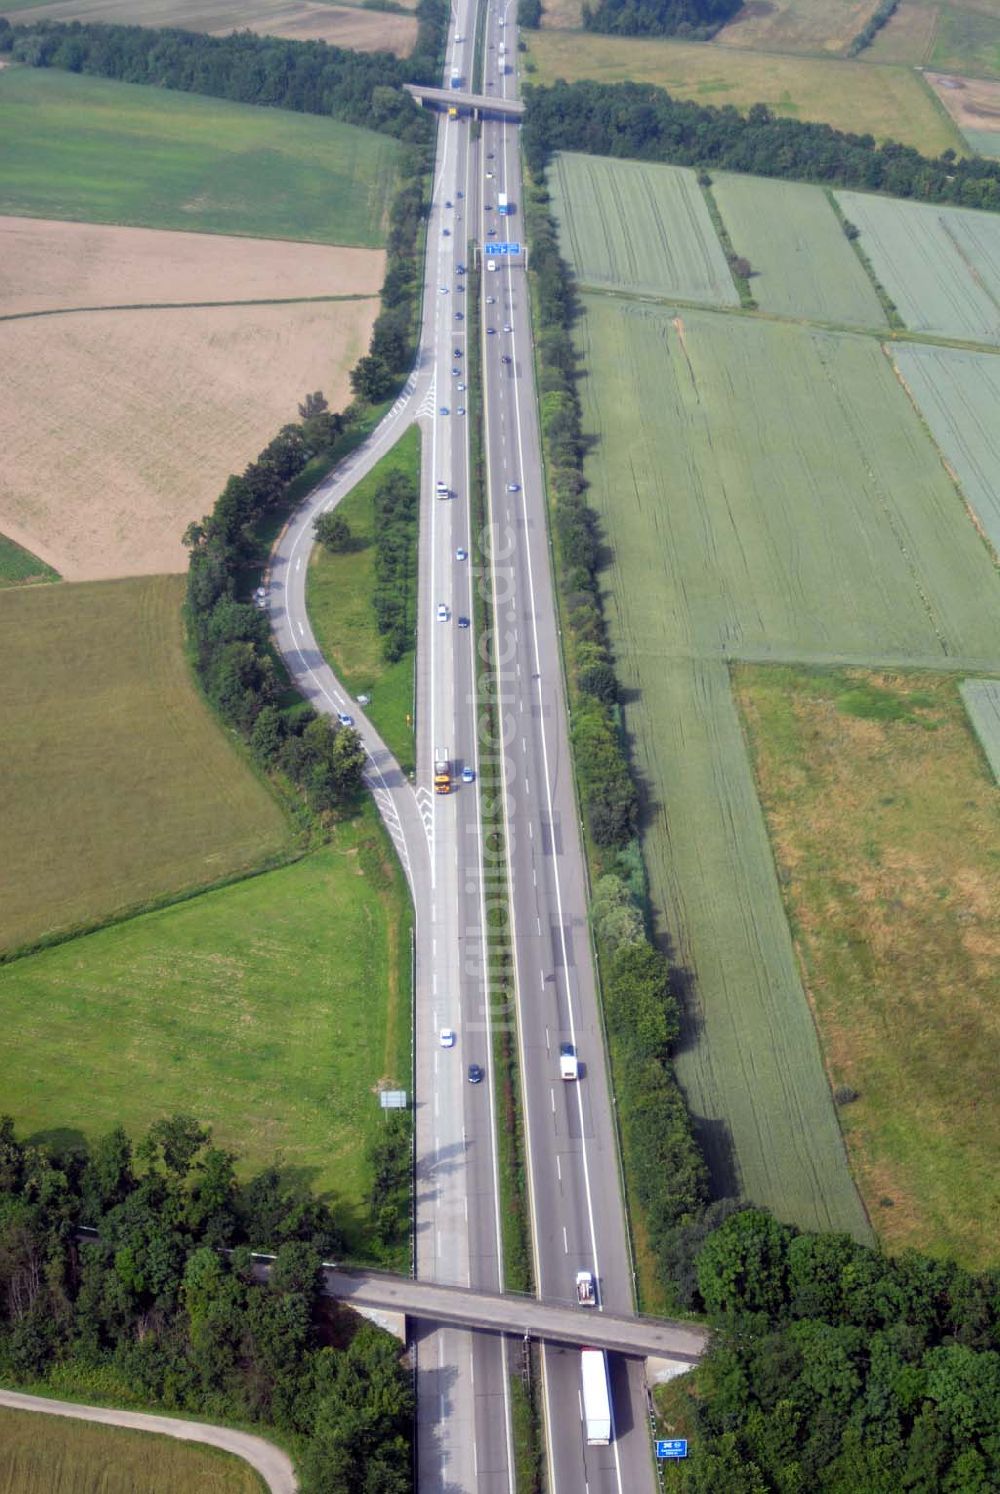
x,y
505,358
463,622
475,1074
457,353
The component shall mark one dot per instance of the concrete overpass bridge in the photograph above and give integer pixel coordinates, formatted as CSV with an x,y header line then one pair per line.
x,y
479,105
376,1292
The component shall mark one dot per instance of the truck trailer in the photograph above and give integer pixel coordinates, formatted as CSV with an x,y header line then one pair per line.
x,y
596,1396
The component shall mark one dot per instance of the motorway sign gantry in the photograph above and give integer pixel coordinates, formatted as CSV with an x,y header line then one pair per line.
x,y
501,249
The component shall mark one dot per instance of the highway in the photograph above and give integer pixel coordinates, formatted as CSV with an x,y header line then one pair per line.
x,y
463,1417
464,1432
578,1214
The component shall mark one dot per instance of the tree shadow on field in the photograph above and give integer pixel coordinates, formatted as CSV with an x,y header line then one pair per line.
x,y
715,1140
63,1143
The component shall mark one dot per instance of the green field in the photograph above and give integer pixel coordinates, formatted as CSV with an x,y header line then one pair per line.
x,y
118,785
270,1009
940,265
888,102
958,394
803,265
968,40
638,227
885,822
104,152
984,142
42,1454
781,503
339,598
982,702
18,567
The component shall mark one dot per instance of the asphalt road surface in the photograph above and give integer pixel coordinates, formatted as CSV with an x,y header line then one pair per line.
x,y
578,1215
273,1465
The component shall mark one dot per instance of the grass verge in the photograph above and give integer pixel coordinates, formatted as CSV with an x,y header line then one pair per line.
x,y
271,1009
339,593
45,1454
528,1461
884,821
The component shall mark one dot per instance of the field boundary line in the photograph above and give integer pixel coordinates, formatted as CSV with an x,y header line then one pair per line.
x,y
21,316
843,329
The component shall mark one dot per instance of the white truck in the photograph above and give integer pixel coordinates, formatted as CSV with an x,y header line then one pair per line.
x,y
569,1064
596,1396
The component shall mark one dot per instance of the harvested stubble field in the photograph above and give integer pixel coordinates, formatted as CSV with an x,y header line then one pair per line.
x,y
803,265
797,25
884,821
42,1454
958,394
784,503
271,1009
299,20
56,266
940,265
106,152
888,102
118,786
982,702
120,427
638,227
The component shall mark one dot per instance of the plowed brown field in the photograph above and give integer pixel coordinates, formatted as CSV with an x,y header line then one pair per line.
x,y
120,426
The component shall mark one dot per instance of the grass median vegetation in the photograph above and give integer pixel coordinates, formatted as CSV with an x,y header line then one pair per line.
x,y
368,577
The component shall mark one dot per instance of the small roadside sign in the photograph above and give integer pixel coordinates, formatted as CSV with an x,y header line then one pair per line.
x,y
676,1448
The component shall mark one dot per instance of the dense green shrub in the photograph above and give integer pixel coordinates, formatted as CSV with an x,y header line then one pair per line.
x,y
641,121
162,1306
839,1369
696,19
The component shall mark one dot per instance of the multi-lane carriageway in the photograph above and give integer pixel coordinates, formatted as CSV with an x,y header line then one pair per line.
x,y
577,1218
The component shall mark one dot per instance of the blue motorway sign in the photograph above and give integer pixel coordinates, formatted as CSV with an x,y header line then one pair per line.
x,y
501,248
677,1448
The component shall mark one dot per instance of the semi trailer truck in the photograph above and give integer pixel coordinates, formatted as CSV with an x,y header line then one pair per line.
x,y
596,1396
